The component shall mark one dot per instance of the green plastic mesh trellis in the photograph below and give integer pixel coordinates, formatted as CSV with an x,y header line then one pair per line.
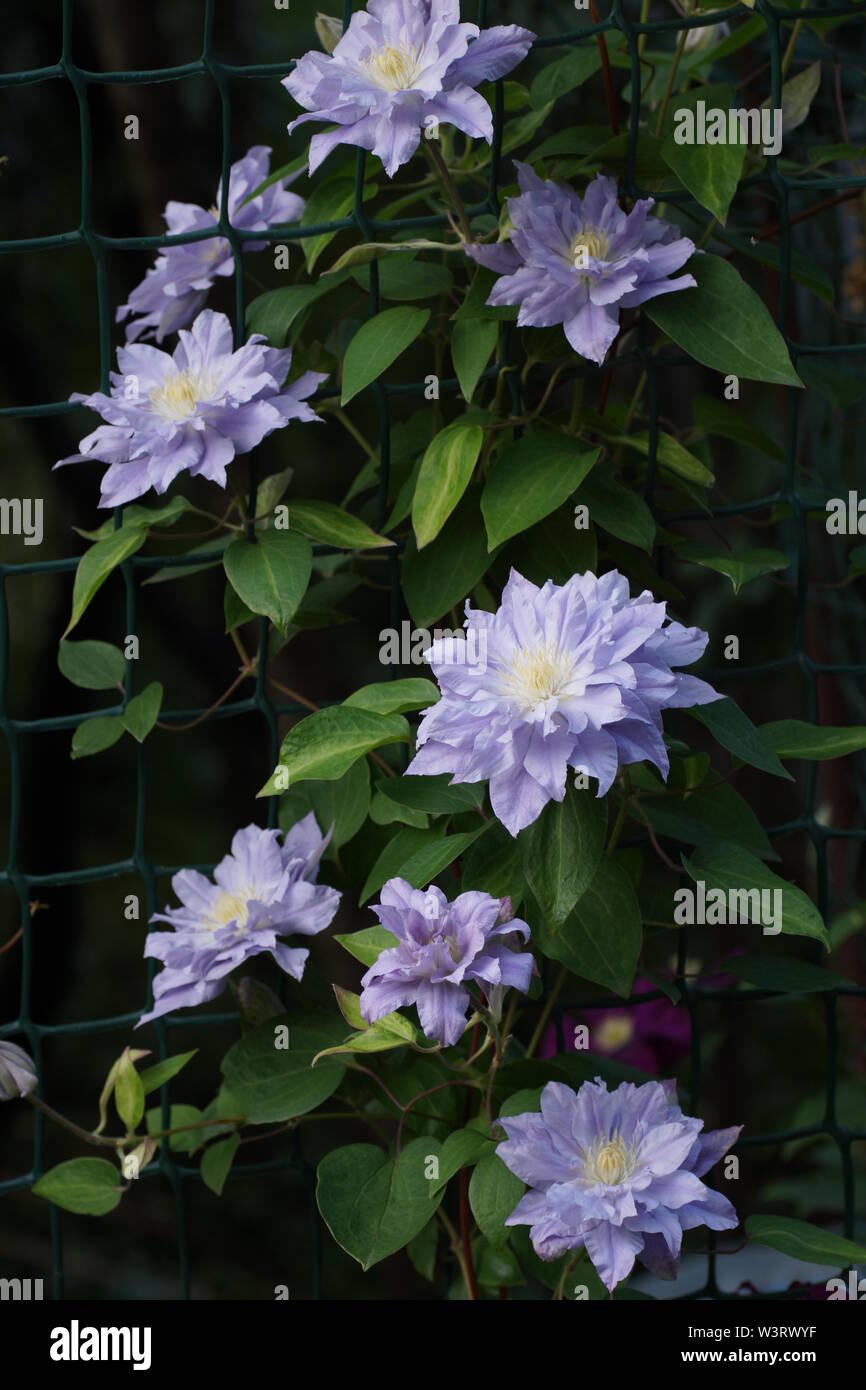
x,y
622,18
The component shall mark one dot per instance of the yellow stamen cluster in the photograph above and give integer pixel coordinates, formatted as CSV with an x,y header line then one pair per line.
x,y
590,244
178,396
537,674
393,69
230,907
608,1160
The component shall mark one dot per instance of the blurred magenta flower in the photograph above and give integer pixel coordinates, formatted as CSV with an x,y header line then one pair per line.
x,y
652,1037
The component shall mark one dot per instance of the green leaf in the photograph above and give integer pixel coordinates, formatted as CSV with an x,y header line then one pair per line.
x,y
516,133
373,1205
601,939
741,566
188,1140
97,563
618,509
157,1075
793,738
329,202
446,469
433,794
462,1149
727,867
97,734
428,861
422,1251
394,697
368,944
565,74
445,572
707,815
388,1032
92,665
494,866
401,277
398,849
272,1084
531,479
146,517
735,731
141,713
274,312
270,574
803,1241
322,521
710,172
89,1186
377,344
367,251
494,1192
343,804
554,548
797,96
128,1093
423,863
783,973
561,852
326,744
722,418
216,1162
472,345
723,324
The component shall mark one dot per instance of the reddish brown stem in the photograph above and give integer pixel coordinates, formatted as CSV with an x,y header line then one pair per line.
x,y
606,72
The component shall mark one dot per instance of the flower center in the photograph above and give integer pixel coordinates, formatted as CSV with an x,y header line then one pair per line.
x,y
613,1033
537,674
178,396
609,1161
590,244
230,907
393,69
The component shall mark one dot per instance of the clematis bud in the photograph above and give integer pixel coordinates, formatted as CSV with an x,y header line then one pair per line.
x,y
17,1072
506,911
329,31
132,1163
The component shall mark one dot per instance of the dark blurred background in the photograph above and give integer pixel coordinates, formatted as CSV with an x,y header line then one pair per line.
x,y
202,783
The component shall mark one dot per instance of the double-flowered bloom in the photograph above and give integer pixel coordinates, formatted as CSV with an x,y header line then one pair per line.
x,y
191,411
617,1173
578,261
176,287
443,947
575,675
401,67
262,891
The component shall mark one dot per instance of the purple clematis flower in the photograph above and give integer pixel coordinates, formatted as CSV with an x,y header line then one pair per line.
x,y
574,675
176,287
261,891
400,67
442,946
190,412
617,1173
578,261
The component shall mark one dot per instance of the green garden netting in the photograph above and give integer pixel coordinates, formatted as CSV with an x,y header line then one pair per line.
x,y
623,19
